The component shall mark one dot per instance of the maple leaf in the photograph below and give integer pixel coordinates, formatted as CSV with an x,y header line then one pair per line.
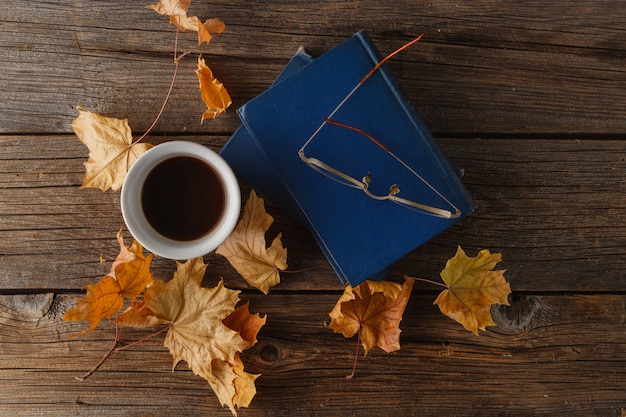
x,y
205,30
111,149
374,310
129,276
197,333
246,250
214,94
246,324
171,7
210,26
233,385
473,287
177,10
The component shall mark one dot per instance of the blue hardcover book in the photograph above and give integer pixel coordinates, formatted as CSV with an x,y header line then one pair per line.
x,y
369,182
249,162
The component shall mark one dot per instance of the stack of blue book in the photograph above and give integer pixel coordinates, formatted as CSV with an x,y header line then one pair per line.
x,y
350,160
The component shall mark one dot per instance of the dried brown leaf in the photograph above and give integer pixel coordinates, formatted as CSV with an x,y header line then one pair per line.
x,y
170,7
111,149
129,276
204,329
246,249
214,94
375,310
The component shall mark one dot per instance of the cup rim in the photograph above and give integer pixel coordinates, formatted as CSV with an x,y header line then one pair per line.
x,y
145,234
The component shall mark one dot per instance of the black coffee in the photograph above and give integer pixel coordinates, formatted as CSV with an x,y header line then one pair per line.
x,y
183,198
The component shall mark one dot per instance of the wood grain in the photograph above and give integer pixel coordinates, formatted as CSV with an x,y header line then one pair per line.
x,y
552,355
553,208
513,66
527,97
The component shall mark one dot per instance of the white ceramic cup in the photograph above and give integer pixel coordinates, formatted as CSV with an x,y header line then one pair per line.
x,y
140,228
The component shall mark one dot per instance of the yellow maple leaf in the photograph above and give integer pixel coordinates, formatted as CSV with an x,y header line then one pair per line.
x,y
246,249
245,390
214,94
111,149
473,287
374,310
130,275
233,386
197,333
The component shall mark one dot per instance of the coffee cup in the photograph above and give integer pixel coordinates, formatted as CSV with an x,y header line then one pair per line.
x,y
180,200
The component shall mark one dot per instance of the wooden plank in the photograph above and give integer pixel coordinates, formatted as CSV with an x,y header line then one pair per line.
x,y
514,66
553,208
556,355
52,233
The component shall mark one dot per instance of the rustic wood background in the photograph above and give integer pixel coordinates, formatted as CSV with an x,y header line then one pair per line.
x,y
528,96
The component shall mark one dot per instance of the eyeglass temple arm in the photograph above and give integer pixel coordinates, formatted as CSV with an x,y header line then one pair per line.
x,y
356,87
325,167
356,129
391,55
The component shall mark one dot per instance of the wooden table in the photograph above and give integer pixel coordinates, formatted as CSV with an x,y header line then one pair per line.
x,y
529,97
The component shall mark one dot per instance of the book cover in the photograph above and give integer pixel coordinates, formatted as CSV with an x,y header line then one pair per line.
x,y
249,162
360,230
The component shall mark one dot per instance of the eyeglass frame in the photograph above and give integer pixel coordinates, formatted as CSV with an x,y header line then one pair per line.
x,y
364,183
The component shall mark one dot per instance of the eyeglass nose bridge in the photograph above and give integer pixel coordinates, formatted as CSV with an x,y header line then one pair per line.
x,y
364,184
392,196
393,190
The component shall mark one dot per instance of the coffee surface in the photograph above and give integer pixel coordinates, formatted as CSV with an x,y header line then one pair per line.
x,y
183,198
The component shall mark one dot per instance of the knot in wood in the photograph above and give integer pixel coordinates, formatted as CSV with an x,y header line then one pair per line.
x,y
31,307
523,315
270,353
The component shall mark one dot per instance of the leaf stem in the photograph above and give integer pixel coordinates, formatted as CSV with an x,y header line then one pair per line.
x,y
169,92
427,281
356,355
99,364
296,271
143,340
117,346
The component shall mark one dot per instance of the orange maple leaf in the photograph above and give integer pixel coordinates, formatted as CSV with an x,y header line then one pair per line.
x,y
204,329
177,10
473,287
111,149
129,276
171,7
246,324
214,94
205,30
374,310
233,385
245,247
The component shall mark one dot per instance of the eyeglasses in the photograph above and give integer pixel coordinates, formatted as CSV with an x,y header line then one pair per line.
x,y
365,183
